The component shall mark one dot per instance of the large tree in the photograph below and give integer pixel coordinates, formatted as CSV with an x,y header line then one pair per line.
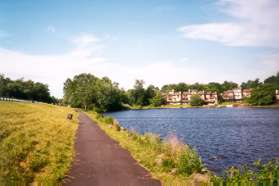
x,y
90,92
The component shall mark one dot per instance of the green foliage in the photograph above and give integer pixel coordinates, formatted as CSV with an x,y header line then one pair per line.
x,y
212,86
189,162
273,80
229,85
158,100
251,84
258,174
27,90
108,120
196,100
90,92
141,96
262,95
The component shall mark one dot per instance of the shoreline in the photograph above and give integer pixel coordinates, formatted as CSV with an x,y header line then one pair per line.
x,y
273,106
148,151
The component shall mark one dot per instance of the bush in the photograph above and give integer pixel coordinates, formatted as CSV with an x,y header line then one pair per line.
x,y
99,116
262,95
258,174
196,100
158,100
189,162
108,120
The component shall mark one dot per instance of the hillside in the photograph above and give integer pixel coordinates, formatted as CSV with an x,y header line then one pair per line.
x,y
36,142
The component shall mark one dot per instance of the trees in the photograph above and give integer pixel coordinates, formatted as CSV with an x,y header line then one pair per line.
x,y
136,95
27,90
215,87
229,85
262,95
141,96
251,84
273,80
196,100
158,100
90,92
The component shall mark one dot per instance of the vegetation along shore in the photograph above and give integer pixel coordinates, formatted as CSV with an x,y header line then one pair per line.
x,y
176,163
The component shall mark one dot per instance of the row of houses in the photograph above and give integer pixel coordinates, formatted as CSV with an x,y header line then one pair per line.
x,y
178,97
238,94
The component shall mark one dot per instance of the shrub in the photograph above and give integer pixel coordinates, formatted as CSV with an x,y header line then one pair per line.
x,y
258,174
158,100
262,95
189,162
196,100
99,116
108,120
185,158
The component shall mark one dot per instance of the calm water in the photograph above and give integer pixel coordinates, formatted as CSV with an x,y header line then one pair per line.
x,y
223,137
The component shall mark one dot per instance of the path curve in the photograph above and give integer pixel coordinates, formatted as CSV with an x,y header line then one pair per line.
x,y
100,161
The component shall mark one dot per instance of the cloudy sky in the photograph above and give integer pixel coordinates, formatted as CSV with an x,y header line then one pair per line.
x,y
160,41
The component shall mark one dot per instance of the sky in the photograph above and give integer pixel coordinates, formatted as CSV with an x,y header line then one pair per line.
x,y
159,41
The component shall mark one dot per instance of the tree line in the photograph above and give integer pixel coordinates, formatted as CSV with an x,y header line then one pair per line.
x,y
212,86
90,92
26,90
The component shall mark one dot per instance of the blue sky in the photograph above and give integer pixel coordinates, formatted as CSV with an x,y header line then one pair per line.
x,y
160,41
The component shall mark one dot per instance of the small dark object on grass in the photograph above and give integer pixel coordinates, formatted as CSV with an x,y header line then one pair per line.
x,y
70,116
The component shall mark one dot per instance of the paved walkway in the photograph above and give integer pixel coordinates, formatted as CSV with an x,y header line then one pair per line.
x,y
100,161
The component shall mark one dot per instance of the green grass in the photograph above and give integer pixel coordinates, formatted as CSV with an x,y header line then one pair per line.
x,y
258,174
36,143
170,161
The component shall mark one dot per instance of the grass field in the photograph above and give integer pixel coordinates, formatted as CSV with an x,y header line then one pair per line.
x,y
36,143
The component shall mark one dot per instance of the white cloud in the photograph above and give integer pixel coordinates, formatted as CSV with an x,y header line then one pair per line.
x,y
87,57
55,69
51,29
86,39
86,45
255,24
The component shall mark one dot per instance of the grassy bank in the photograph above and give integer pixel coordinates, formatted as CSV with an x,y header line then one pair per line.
x,y
36,143
171,161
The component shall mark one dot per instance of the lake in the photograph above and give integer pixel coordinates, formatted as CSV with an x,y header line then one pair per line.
x,y
223,137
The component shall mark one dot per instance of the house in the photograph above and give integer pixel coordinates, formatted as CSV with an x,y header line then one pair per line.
x,y
277,95
237,94
184,97
173,97
228,95
246,93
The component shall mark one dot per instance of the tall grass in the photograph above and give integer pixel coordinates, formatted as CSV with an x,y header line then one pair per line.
x,y
169,160
36,143
265,174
